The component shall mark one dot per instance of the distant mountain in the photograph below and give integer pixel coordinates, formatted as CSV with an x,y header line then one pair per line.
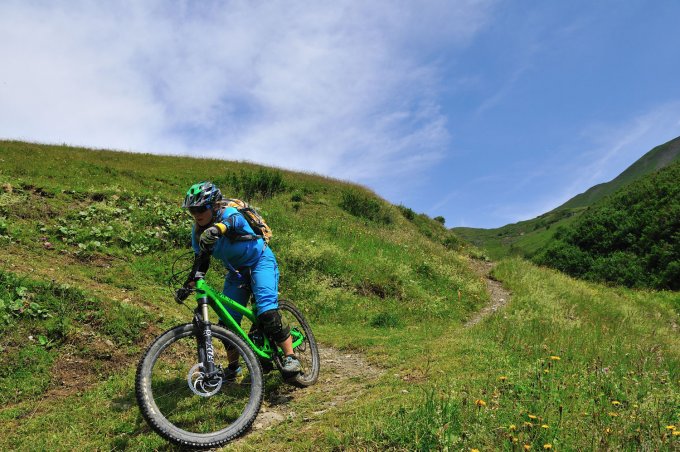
x,y
529,237
654,160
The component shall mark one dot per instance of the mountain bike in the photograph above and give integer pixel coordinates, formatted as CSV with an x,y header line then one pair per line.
x,y
187,386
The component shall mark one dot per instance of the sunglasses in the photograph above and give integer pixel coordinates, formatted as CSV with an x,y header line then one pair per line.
x,y
198,209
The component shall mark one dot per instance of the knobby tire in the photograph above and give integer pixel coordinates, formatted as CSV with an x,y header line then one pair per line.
x,y
307,352
146,380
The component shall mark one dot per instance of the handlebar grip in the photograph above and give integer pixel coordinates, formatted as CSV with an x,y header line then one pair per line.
x,y
182,294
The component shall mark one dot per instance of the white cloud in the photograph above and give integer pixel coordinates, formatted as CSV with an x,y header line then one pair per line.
x,y
340,88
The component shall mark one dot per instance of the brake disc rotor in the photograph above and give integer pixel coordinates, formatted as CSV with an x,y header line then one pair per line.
x,y
199,385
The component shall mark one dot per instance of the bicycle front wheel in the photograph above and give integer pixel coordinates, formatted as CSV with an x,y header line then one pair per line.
x,y
189,407
304,345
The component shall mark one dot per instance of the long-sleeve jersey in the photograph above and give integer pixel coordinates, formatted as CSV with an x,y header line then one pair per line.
x,y
237,253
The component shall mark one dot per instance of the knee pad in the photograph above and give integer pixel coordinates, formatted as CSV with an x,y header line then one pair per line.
x,y
273,326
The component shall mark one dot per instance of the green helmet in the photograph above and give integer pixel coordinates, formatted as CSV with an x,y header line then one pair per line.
x,y
203,194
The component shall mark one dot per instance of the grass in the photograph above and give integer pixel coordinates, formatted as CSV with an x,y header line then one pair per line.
x,y
387,289
574,365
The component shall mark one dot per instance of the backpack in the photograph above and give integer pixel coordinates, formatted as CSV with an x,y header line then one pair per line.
x,y
253,217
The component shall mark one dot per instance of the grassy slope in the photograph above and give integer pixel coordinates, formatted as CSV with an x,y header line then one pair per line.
x,y
527,237
659,157
346,273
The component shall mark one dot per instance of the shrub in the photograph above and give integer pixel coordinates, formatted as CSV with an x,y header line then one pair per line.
x,y
629,238
364,205
440,219
263,183
408,213
386,320
451,241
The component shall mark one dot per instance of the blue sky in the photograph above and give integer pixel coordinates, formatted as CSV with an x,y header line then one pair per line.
x,y
486,112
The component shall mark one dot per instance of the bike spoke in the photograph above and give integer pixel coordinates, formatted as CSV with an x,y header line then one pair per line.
x,y
182,406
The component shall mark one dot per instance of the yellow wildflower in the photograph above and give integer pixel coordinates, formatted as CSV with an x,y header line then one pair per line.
x,y
555,358
513,427
527,447
546,371
612,414
607,430
547,446
670,427
676,432
616,403
480,402
528,424
502,378
545,426
532,416
474,450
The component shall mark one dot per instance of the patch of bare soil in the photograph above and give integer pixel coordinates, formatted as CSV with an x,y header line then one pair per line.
x,y
85,361
498,294
343,378
88,360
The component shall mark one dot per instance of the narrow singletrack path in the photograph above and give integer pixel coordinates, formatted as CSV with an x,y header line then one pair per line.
x,y
343,378
498,294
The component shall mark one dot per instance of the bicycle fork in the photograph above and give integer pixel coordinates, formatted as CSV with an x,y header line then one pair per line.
x,y
206,352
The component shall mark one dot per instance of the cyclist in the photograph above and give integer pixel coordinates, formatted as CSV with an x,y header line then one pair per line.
x,y
225,233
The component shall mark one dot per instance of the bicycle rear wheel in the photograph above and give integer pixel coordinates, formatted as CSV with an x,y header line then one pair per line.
x,y
306,349
186,406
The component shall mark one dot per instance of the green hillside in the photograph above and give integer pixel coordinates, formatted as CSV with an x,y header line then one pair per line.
x,y
632,237
86,241
656,159
526,238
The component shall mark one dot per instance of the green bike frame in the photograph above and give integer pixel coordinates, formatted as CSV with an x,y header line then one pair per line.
x,y
220,302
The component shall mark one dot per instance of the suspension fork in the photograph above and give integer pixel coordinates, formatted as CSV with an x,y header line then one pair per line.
x,y
206,352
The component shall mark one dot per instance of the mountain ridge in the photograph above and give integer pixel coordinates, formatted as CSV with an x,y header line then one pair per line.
x,y
527,237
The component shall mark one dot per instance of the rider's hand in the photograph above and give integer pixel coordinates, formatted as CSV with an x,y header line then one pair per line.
x,y
182,293
209,237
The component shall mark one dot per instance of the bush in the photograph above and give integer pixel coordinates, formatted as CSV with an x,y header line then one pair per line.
x,y
248,185
629,238
440,219
366,206
451,241
620,268
386,320
408,213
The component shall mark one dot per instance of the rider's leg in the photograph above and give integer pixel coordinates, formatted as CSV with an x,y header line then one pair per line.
x,y
265,286
234,289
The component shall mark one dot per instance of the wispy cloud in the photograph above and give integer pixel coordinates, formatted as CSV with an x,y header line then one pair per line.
x,y
614,147
340,88
598,155
503,91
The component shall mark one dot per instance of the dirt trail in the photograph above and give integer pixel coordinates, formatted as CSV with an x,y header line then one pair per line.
x,y
343,378
498,294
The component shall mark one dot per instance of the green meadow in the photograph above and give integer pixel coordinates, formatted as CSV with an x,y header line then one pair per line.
x,y
87,239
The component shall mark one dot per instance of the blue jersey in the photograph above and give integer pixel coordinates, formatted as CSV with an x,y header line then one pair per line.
x,y
237,253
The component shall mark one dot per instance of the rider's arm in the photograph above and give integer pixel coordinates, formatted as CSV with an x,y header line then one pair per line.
x,y
201,260
233,222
